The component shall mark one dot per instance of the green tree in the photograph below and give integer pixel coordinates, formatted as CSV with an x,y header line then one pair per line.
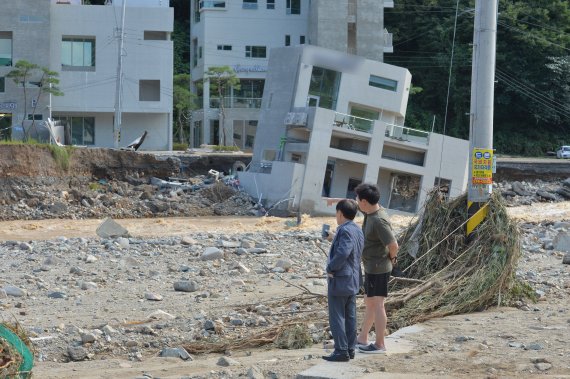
x,y
46,83
222,79
183,105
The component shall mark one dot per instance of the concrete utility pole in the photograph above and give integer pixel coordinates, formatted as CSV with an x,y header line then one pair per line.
x,y
119,86
481,123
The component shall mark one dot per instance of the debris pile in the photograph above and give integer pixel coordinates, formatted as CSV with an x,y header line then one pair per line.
x,y
527,192
448,273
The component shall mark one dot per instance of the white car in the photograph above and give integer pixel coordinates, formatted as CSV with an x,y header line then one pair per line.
x,y
563,152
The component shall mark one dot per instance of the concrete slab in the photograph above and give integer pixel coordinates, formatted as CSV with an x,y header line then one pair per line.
x,y
332,370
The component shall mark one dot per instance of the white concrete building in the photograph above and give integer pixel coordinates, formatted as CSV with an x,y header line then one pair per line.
x,y
330,121
81,43
241,34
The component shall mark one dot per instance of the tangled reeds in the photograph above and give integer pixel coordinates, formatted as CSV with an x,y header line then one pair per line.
x,y
453,274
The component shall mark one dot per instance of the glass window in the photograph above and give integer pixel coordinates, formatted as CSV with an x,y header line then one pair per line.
x,y
293,6
287,40
78,52
302,40
270,4
324,87
249,4
250,89
256,51
5,48
149,90
82,129
225,47
2,84
384,83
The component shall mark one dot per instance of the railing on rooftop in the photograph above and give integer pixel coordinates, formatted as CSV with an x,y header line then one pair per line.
x,y
346,121
402,133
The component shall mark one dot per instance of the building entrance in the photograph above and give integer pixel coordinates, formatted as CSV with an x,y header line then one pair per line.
x,y
5,126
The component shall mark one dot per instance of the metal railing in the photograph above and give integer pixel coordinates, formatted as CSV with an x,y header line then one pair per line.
x,y
237,102
402,133
346,121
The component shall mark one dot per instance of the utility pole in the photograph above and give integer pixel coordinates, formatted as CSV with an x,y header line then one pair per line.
x,y
119,86
481,123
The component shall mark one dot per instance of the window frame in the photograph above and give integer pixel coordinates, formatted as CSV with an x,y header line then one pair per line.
x,y
383,83
287,40
270,4
225,47
289,7
83,40
8,36
254,51
2,84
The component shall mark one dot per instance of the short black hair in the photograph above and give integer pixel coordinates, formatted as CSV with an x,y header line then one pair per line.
x,y
368,192
348,208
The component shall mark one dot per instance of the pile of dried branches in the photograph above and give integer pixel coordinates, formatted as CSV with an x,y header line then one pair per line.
x,y
447,273
10,358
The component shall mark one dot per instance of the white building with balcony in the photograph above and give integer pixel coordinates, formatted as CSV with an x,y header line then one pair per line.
x,y
241,34
330,121
81,43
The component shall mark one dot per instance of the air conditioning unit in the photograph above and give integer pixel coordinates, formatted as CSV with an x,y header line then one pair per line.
x,y
290,118
300,118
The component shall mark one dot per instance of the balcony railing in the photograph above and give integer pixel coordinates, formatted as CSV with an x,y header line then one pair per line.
x,y
237,102
402,133
350,122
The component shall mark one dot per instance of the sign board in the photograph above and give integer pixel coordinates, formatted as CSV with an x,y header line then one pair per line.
x,y
254,68
482,166
8,106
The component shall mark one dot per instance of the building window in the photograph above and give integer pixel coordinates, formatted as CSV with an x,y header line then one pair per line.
x,y
194,52
78,53
5,48
225,47
200,52
249,4
293,6
287,40
82,129
256,52
209,4
324,87
149,90
270,4
155,35
384,83
2,84
302,40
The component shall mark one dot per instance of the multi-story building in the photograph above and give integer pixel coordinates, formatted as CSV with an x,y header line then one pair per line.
x,y
81,43
332,121
241,33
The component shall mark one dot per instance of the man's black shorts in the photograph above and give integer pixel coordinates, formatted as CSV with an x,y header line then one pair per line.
x,y
376,284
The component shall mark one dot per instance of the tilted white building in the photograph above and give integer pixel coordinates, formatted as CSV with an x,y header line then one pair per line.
x,y
241,34
330,121
81,43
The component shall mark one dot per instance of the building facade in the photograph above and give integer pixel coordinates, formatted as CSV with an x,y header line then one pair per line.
x,y
241,33
332,121
81,43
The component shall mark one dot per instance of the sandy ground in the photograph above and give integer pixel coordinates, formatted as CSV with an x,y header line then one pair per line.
x,y
433,351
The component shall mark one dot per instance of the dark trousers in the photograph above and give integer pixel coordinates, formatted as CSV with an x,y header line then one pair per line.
x,y
342,320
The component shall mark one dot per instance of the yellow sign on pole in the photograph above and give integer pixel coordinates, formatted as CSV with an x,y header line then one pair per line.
x,y
482,166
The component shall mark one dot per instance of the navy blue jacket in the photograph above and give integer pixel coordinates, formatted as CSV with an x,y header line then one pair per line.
x,y
344,260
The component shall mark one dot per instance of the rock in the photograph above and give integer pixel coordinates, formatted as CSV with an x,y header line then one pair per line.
x,y
212,253
3,294
77,271
534,346
561,241
189,241
227,361
123,242
186,286
543,366
254,373
87,337
516,344
566,259
519,189
230,244
76,353
57,295
247,244
564,192
285,264
257,250
25,246
108,330
546,195
15,291
152,296
209,325
90,259
88,286
161,315
464,338
176,352
109,228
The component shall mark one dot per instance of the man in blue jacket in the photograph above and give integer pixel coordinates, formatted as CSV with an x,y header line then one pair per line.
x,y
344,273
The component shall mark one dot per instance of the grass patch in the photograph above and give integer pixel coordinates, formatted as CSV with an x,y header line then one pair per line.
x,y
179,146
61,155
225,148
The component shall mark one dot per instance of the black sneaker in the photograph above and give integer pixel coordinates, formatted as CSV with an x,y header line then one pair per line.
x,y
337,356
351,353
